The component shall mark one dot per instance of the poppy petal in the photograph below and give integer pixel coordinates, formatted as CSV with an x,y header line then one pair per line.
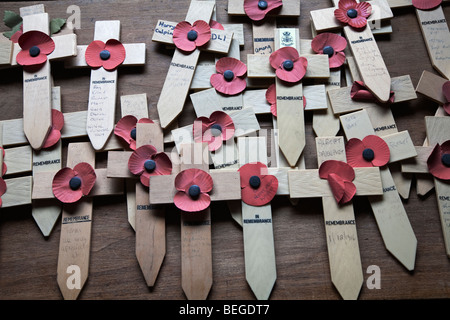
x,y
435,165
337,186
354,152
251,169
213,24
3,187
37,38
233,87
227,63
25,59
426,4
296,74
124,126
61,188
92,54
15,37
255,13
138,158
273,109
117,54
364,9
349,192
87,175
57,119
380,149
337,42
52,139
358,22
446,90
215,143
347,5
163,164
225,121
180,38
342,169
145,178
341,15
271,94
277,58
189,177
201,130
337,60
145,120
203,32
185,203
447,107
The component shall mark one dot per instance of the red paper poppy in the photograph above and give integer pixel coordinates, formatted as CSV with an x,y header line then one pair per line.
x,y
55,132
271,98
213,24
439,161
257,9
35,46
214,130
340,176
2,189
446,92
187,37
288,64
332,45
108,55
69,185
352,13
426,4
4,168
257,187
372,151
126,129
145,162
359,92
193,186
229,77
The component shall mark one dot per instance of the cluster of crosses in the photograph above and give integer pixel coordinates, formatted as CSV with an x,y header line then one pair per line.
x,y
225,155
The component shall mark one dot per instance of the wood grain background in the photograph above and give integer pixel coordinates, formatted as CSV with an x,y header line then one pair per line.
x,y
28,260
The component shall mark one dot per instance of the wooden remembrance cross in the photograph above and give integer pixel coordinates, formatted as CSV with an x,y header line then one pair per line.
x,y
103,83
76,222
342,239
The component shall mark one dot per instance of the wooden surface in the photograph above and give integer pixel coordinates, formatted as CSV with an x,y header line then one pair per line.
x,y
28,261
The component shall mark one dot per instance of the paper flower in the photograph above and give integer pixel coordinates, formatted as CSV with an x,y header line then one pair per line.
x,y
426,4
439,161
187,37
372,151
55,132
145,161
257,9
2,189
229,77
214,130
4,167
108,55
213,24
193,186
446,93
257,187
352,13
340,176
35,46
69,185
332,45
126,129
359,92
271,98
288,65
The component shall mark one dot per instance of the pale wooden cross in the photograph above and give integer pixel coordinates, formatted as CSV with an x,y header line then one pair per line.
x,y
103,83
368,57
37,82
389,212
438,131
435,33
149,220
183,65
196,255
340,227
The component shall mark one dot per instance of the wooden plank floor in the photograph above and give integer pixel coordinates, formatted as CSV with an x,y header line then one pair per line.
x,y
28,260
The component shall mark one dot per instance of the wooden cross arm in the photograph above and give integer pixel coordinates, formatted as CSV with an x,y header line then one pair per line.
x,y
6,51
42,185
289,8
341,101
307,183
227,186
18,160
18,192
135,56
258,66
418,164
220,39
324,19
430,85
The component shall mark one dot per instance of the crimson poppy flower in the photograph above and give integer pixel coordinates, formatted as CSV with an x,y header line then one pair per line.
x,y
439,161
372,151
145,161
35,46
187,37
257,9
360,92
214,130
288,64
229,77
126,129
257,187
108,55
69,185
340,176
426,4
4,168
446,92
55,132
2,189
352,13
193,186
332,45
271,98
